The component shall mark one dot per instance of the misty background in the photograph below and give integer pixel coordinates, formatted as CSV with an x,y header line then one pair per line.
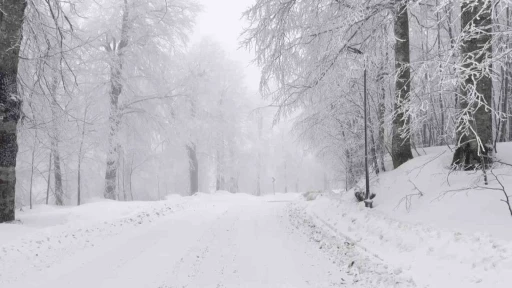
x,y
186,86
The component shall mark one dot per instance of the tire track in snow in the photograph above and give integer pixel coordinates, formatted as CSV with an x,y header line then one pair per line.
x,y
195,255
366,267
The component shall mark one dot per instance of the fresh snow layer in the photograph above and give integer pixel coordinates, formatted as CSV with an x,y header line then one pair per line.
x,y
455,234
456,201
427,256
435,227
207,240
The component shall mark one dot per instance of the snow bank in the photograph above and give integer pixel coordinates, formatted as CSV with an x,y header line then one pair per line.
x,y
48,218
430,255
451,200
281,197
440,228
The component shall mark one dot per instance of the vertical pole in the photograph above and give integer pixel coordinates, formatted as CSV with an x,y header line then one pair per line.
x,y
367,204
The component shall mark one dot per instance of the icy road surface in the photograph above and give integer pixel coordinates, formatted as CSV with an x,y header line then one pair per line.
x,y
211,242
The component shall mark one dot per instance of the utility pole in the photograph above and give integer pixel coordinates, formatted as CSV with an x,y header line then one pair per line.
x,y
367,202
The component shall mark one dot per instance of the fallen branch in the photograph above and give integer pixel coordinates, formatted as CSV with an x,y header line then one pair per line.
x,y
408,198
507,197
477,187
425,164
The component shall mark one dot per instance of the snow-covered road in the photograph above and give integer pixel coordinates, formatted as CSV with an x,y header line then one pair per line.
x,y
236,243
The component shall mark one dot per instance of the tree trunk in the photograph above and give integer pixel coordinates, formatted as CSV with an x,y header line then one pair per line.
x,y
78,194
59,192
373,147
56,117
258,182
130,177
124,177
11,24
193,169
401,146
349,177
220,183
442,132
158,185
505,105
258,166
381,116
373,153
285,177
79,183
475,142
116,88
49,178
32,168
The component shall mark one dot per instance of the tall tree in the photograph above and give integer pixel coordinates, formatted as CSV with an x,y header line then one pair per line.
x,y
11,24
55,138
401,143
193,168
117,50
475,124
147,33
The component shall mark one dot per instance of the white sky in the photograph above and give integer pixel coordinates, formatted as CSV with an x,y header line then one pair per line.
x,y
221,21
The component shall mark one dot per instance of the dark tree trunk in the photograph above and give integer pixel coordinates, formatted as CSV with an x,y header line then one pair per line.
x,y
49,179
116,88
476,51
193,168
442,132
505,105
11,24
381,116
32,169
373,146
401,146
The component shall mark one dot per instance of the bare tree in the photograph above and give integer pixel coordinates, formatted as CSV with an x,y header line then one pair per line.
x,y
401,144
475,126
116,50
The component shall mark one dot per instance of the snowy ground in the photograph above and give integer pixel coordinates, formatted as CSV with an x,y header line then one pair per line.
x,y
436,227
426,255
225,240
200,241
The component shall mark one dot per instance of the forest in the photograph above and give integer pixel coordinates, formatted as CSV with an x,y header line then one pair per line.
x,y
255,143
437,73
110,99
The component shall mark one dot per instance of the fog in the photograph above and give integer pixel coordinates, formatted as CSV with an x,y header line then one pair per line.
x,y
142,99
